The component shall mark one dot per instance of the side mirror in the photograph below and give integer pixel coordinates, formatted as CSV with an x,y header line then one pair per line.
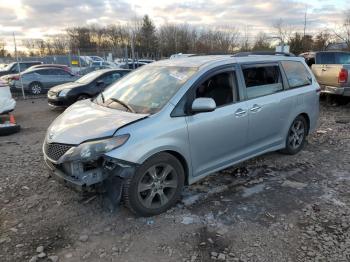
x,y
203,104
100,83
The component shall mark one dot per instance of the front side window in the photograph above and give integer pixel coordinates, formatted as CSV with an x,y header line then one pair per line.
x,y
43,72
262,80
297,74
221,87
111,78
147,89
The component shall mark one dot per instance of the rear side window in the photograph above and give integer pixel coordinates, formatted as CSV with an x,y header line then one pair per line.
x,y
43,72
297,74
262,80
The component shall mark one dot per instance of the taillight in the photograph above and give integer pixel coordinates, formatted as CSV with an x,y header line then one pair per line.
x,y
343,76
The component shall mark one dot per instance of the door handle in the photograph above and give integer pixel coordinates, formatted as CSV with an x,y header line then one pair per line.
x,y
324,69
255,108
240,112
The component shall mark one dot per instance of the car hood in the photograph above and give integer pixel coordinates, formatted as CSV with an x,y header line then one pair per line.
x,y
86,120
68,85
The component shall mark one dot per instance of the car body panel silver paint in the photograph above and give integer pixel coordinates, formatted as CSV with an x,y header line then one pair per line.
x,y
156,133
217,138
86,120
207,141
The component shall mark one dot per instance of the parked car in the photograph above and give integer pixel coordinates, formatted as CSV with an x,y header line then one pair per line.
x,y
146,61
8,123
173,122
181,55
85,87
332,69
39,80
309,58
13,68
131,65
102,64
9,78
64,67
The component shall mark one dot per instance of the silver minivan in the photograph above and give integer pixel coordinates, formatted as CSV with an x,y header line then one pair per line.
x,y
174,122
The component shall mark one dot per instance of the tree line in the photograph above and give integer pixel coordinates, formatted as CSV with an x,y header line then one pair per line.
x,y
145,40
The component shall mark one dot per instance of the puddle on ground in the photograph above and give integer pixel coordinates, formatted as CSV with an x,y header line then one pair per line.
x,y
247,192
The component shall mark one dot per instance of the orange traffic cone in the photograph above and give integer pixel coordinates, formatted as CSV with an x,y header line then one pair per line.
x,y
12,119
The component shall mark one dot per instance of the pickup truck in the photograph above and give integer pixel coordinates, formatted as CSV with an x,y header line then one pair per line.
x,y
332,71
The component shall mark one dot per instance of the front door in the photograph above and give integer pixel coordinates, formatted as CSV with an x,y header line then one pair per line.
x,y
218,138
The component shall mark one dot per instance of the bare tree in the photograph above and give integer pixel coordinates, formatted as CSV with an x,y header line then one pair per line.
x,y
321,41
343,32
2,48
283,31
262,43
60,44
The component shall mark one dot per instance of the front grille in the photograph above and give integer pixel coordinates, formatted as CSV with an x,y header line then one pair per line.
x,y
55,151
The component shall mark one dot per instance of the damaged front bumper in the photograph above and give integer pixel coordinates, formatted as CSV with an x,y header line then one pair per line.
x,y
88,176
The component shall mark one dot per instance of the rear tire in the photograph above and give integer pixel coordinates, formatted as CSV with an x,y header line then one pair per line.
x,y
36,88
156,185
296,136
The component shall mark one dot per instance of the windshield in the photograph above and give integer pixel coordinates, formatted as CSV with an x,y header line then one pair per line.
x,y
147,89
89,77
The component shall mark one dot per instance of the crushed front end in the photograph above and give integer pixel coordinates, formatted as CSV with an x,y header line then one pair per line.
x,y
84,170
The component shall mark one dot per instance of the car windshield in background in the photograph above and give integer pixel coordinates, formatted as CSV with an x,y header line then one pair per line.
x,y
146,90
330,58
89,77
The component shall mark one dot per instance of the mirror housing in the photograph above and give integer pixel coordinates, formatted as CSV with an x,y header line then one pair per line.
x,y
203,104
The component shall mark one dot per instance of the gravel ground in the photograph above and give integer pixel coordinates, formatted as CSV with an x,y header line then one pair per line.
x,y
271,208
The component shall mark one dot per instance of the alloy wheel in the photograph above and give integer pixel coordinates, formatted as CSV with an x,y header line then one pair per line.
x,y
296,134
36,89
157,186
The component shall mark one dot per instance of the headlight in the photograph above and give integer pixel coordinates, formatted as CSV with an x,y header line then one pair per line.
x,y
64,92
94,149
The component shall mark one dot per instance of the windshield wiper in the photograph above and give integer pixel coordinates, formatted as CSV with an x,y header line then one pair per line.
x,y
123,104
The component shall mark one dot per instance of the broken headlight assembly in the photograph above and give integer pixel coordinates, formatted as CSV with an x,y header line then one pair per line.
x,y
94,149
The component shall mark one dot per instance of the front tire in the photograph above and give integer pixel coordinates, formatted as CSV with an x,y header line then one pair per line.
x,y
156,185
296,136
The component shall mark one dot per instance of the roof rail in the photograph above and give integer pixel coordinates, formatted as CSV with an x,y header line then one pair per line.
x,y
242,54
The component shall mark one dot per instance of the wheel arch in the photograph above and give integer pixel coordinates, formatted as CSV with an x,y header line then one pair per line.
x,y
183,162
307,118
34,82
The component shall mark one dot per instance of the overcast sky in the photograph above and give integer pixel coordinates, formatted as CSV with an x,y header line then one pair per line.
x,y
37,18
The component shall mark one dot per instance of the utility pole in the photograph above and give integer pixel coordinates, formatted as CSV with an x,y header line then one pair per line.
x,y
19,68
305,22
